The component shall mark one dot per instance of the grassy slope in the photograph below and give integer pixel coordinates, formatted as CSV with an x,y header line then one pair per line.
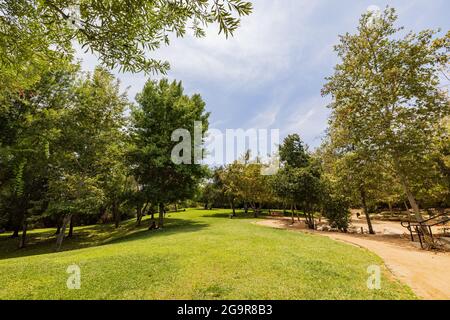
x,y
200,255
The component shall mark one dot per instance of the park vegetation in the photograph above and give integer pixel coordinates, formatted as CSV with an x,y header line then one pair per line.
x,y
75,151
388,138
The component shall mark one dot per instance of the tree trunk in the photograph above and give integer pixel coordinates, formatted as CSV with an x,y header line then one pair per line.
x,y
176,208
138,215
255,210
390,208
407,208
116,214
161,216
233,208
405,185
71,227
58,229
412,201
15,233
292,213
415,207
144,210
23,239
366,211
307,216
101,213
60,238
310,219
298,215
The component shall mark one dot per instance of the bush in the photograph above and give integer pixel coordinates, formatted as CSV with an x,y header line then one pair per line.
x,y
336,210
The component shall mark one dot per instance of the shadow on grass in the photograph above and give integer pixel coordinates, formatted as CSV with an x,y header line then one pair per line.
x,y
171,226
43,241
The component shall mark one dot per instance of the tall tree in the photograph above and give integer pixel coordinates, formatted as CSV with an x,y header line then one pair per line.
x,y
230,178
253,187
29,126
386,91
87,158
163,109
298,181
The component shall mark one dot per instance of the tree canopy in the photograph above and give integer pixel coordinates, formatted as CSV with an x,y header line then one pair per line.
x,y
164,108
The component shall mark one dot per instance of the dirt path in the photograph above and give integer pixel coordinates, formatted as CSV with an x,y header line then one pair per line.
x,y
427,273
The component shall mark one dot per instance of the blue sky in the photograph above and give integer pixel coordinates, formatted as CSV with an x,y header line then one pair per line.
x,y
269,75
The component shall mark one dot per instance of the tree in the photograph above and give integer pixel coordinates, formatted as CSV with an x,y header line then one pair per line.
x,y
87,157
162,109
73,194
356,175
29,126
283,185
386,92
341,185
253,186
230,178
208,195
336,210
119,32
103,102
212,190
298,181
293,152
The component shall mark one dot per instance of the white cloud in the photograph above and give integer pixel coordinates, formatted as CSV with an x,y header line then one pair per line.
x,y
265,119
309,120
269,75
261,49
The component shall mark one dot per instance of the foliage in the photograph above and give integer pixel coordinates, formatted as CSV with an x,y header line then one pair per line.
x,y
336,210
230,179
387,97
293,152
298,182
212,190
254,187
120,32
28,130
164,108
57,146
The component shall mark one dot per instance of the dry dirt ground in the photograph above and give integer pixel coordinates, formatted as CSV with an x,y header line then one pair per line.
x,y
427,273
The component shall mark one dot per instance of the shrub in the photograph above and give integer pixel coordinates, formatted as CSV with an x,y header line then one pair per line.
x,y
336,210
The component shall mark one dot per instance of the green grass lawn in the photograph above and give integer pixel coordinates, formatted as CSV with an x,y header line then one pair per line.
x,y
199,255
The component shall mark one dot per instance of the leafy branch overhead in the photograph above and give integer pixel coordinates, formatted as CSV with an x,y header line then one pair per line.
x,y
120,32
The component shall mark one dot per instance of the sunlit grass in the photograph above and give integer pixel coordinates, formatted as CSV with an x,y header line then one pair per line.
x,y
199,255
